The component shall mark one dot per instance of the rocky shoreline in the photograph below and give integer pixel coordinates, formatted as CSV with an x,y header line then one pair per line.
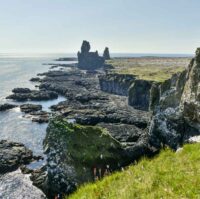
x,y
86,104
136,117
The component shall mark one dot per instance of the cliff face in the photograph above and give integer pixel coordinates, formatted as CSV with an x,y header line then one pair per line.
x,y
139,94
174,102
116,83
137,91
176,113
190,100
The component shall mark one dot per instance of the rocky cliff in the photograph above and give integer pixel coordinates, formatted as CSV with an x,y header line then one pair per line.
x,y
116,83
139,94
176,114
138,91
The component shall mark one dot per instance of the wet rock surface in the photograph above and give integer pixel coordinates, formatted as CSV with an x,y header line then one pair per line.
x,y
4,107
35,79
13,155
28,108
24,94
40,116
35,113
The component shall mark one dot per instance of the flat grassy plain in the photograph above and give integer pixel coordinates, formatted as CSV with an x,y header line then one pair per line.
x,y
170,175
156,69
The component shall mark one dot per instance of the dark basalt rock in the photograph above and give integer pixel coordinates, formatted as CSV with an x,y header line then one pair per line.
x,y
139,94
21,90
106,54
116,83
89,60
13,155
35,113
135,141
23,94
40,116
39,178
28,108
35,79
4,107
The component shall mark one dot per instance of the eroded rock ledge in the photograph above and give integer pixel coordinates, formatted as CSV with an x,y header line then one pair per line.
x,y
24,94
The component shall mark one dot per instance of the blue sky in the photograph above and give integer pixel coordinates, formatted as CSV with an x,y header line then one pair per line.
x,y
129,26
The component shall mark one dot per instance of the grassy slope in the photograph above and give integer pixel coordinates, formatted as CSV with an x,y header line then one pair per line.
x,y
169,175
153,69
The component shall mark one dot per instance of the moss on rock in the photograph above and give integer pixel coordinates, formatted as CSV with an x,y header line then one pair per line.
x,y
74,150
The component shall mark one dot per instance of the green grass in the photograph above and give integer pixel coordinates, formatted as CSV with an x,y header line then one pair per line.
x,y
168,176
152,69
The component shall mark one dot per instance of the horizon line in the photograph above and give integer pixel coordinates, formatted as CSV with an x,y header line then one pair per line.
x,y
150,53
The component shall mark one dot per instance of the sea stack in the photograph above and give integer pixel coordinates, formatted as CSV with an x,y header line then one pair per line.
x,y
89,60
106,54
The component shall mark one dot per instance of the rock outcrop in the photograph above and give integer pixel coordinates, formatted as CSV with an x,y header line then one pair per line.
x,y
23,94
13,155
139,94
73,151
34,111
89,60
116,83
176,113
4,107
28,108
106,54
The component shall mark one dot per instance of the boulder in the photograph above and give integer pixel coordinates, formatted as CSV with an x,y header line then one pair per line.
x,y
13,155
